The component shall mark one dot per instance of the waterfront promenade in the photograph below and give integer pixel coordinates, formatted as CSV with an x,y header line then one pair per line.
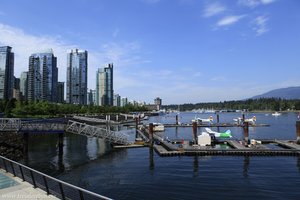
x,y
22,190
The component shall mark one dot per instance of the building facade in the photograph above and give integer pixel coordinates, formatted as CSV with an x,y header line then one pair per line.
x,y
60,92
42,77
6,72
104,86
92,97
117,100
77,69
23,85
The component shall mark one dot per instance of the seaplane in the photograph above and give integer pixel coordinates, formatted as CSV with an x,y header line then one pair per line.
x,y
239,120
226,134
201,120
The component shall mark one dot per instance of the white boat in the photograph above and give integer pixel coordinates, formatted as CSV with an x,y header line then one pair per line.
x,y
276,114
158,127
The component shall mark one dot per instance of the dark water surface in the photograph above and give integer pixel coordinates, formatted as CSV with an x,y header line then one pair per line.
x,y
141,174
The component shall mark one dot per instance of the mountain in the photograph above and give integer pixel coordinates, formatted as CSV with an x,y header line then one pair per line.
x,y
284,93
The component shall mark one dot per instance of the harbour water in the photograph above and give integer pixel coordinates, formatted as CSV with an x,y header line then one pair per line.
x,y
141,174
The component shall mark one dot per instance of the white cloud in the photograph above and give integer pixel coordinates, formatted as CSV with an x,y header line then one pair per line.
x,y
254,3
213,9
24,44
228,20
260,25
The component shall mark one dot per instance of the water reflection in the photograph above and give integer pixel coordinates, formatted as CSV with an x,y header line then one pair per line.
x,y
151,158
196,167
246,166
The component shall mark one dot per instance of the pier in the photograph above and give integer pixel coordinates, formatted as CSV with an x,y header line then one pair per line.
x,y
232,147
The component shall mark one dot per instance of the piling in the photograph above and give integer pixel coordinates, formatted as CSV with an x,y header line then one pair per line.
x,y
243,117
151,134
195,128
246,132
176,119
298,131
136,126
218,118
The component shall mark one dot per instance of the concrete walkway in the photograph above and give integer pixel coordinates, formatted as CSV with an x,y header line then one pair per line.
x,y
23,190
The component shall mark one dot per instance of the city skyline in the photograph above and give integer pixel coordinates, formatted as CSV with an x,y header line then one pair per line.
x,y
182,51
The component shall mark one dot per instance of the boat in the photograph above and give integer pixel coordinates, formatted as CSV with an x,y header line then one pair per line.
x,y
158,127
276,114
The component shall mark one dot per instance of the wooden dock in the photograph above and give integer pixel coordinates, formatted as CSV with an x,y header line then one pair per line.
x,y
288,144
216,125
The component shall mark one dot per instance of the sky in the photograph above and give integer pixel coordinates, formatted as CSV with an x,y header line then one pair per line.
x,y
183,51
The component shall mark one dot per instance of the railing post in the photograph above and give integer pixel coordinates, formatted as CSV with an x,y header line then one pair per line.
x,y
22,174
81,195
218,118
46,184
33,180
176,119
13,169
62,191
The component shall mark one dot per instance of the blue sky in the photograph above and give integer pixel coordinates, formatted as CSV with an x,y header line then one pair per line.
x,y
184,51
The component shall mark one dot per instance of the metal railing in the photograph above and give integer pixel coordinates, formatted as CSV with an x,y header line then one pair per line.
x,y
50,185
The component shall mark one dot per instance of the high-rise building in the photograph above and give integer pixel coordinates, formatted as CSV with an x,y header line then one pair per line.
x,y
92,97
124,101
117,100
42,77
104,87
24,85
158,102
60,92
6,72
16,89
77,77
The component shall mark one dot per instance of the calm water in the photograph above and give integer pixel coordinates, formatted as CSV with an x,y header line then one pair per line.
x,y
142,174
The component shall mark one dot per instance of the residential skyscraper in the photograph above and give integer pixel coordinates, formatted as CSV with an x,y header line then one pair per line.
x,y
24,85
104,87
42,77
6,72
92,97
60,92
77,77
117,100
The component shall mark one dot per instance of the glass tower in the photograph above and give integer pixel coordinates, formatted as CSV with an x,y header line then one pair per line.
x,y
23,84
42,77
104,87
6,72
77,77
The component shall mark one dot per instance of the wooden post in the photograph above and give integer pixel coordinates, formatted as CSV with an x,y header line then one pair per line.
x,y
243,117
151,134
298,131
195,128
136,126
246,132
218,118
176,119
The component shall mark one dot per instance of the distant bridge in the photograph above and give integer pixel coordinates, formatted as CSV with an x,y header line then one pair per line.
x,y
60,126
